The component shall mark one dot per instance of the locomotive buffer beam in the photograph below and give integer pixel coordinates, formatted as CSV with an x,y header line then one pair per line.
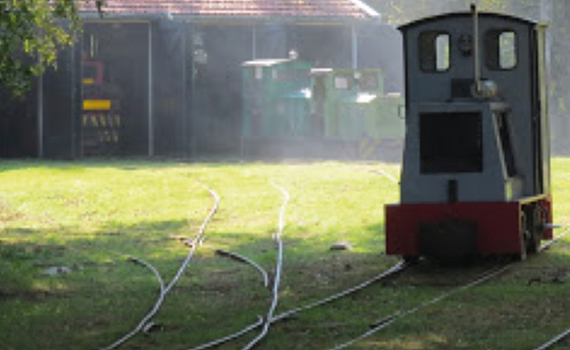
x,y
449,239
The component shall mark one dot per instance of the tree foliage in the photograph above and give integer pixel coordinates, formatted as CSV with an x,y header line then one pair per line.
x,y
554,12
402,11
31,33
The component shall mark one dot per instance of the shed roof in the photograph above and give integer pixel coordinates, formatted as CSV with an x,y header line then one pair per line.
x,y
267,62
248,9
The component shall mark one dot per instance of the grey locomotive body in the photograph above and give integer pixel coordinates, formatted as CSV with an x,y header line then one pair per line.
x,y
475,174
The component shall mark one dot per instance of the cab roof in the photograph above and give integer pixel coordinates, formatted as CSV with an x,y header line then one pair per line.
x,y
455,15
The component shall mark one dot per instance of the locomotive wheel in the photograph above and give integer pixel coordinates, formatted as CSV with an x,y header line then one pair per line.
x,y
524,238
532,223
533,243
539,222
411,259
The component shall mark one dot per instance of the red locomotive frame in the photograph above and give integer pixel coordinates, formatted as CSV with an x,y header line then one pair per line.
x,y
500,229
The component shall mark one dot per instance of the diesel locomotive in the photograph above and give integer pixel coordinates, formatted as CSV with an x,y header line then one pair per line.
x,y
476,165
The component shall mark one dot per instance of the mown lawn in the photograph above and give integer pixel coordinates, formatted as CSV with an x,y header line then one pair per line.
x,y
90,216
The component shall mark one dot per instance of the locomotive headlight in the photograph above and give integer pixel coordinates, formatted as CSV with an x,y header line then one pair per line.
x,y
489,89
509,190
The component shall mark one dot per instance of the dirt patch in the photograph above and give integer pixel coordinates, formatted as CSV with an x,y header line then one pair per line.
x,y
8,214
31,296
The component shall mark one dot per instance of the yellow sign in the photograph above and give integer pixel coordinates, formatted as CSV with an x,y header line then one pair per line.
x,y
88,81
96,105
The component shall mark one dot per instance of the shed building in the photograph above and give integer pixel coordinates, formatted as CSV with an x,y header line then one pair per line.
x,y
164,78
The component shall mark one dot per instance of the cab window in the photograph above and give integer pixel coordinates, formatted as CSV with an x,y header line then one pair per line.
x,y
434,51
501,49
343,82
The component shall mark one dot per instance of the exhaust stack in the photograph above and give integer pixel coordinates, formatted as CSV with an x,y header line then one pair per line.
x,y
476,58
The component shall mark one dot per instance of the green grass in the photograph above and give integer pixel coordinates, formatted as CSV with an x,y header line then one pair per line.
x,y
91,215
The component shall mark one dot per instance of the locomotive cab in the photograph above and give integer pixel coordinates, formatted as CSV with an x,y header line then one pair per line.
x,y
475,173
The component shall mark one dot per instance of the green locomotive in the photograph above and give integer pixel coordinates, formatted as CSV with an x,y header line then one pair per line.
x,y
287,104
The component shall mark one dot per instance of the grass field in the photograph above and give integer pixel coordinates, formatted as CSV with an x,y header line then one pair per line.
x,y
90,216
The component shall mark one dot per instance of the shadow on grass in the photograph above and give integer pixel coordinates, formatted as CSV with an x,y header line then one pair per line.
x,y
104,295
132,164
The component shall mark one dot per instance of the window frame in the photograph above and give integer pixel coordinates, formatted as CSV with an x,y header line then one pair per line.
x,y
349,81
451,143
492,46
422,52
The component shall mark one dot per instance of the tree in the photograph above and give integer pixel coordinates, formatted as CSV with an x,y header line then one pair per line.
x,y
554,12
31,34
402,11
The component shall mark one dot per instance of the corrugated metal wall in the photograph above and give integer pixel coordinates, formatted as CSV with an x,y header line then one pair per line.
x,y
61,101
183,100
217,99
122,49
170,89
18,125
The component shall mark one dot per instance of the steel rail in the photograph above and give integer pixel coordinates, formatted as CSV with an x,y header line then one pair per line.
x,y
155,308
231,255
230,337
382,323
399,267
244,259
556,339
557,238
386,175
549,344
165,289
199,238
278,271
385,322
391,271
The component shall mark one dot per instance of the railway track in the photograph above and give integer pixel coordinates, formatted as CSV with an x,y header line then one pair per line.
x,y
146,322
551,343
492,273
390,319
264,322
392,271
554,341
398,315
278,270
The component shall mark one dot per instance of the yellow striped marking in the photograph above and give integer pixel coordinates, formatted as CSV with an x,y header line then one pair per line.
x,y
96,105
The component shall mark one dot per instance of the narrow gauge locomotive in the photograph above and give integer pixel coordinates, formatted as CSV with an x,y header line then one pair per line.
x,y
476,165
